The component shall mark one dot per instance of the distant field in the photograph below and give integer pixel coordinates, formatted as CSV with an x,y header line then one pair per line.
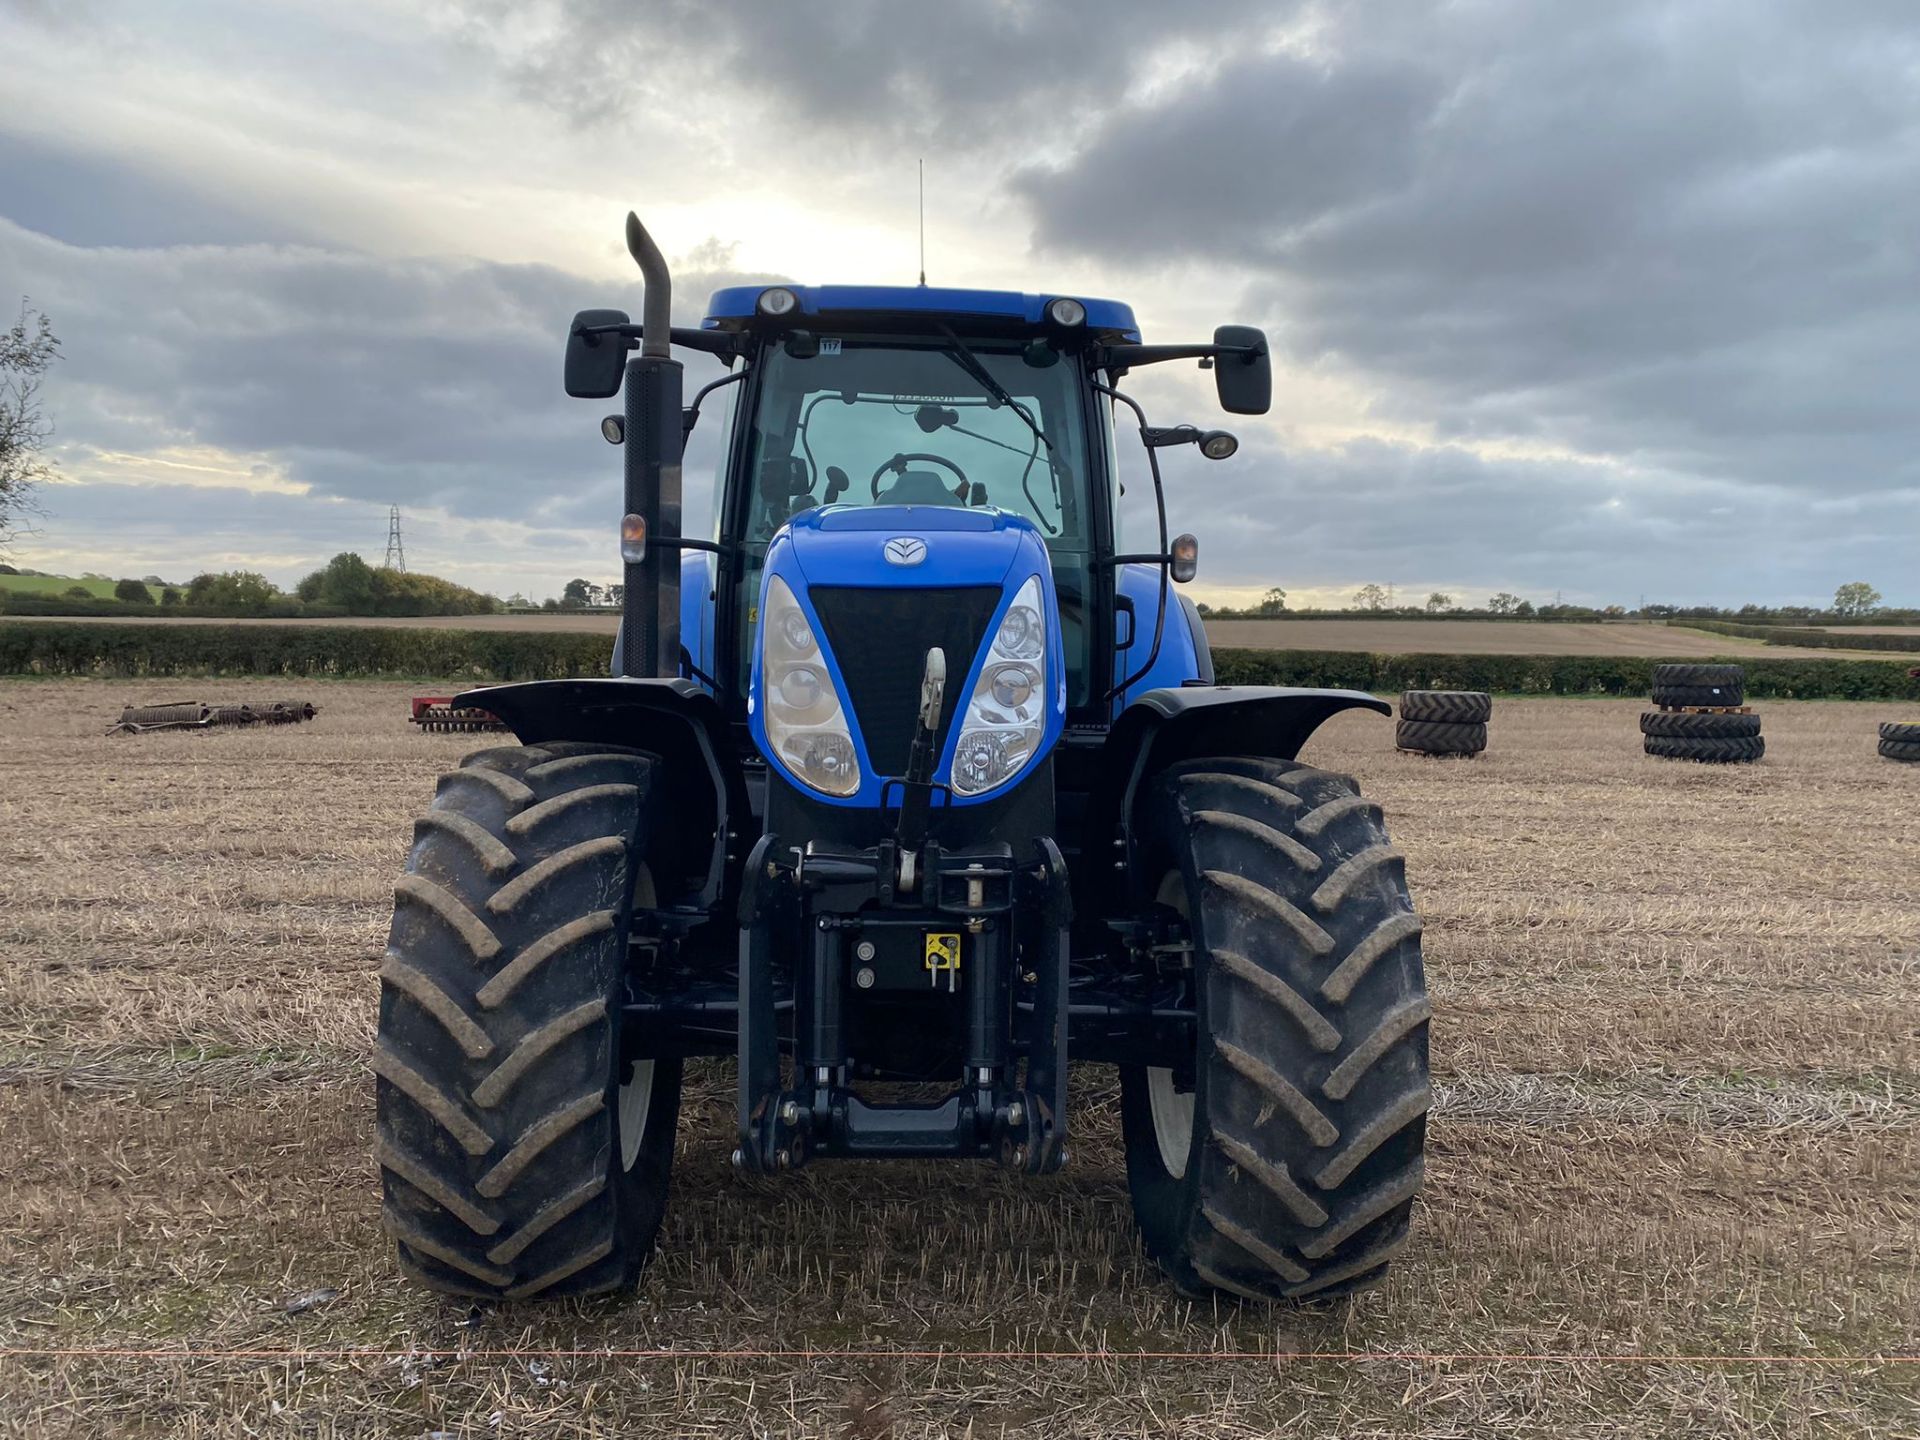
x,y
1492,637
54,585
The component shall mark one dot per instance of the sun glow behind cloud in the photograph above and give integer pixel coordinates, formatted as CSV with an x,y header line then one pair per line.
x,y
199,466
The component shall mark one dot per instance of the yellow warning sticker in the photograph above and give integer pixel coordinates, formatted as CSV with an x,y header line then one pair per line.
x,y
943,952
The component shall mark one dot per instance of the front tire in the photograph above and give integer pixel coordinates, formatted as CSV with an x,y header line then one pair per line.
x,y
1305,1110
522,1152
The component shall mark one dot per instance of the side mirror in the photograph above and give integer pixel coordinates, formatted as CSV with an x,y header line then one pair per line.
x,y
1244,382
836,483
595,363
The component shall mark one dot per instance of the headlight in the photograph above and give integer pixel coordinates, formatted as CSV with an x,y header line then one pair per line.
x,y
795,633
1021,633
1011,685
1007,714
800,688
806,723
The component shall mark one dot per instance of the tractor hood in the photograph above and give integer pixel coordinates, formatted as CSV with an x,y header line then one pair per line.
x,y
862,593
910,546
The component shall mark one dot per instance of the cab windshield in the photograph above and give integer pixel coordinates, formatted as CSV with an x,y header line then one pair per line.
x,y
884,424
899,422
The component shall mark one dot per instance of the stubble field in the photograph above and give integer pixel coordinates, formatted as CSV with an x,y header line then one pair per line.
x,y
1677,1060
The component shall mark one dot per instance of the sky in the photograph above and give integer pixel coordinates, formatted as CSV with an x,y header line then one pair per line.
x,y
1609,302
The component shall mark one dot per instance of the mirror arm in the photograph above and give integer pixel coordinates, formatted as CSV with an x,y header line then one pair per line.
x,y
690,416
713,342
682,542
1108,357
1157,435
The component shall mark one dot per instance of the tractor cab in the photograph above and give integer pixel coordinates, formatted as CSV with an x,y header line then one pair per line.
x,y
918,401
897,455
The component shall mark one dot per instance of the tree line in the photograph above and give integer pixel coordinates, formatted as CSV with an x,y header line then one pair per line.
x,y
1853,603
345,585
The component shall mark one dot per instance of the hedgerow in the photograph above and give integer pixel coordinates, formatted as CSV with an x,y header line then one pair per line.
x,y
1798,679
29,647
35,647
1810,639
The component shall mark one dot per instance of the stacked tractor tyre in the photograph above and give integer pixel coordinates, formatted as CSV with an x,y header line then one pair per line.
x,y
1900,740
1702,716
1443,722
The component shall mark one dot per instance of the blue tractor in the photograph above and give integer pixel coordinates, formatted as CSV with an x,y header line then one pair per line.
x,y
909,788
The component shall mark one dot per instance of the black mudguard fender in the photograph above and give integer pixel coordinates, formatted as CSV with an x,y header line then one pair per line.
x,y
1164,727
705,794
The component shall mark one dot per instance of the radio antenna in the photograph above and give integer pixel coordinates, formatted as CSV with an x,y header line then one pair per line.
x,y
923,222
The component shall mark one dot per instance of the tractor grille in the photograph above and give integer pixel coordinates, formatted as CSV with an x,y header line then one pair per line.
x,y
881,639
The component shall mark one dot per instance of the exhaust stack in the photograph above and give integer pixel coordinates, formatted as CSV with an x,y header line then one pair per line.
x,y
650,613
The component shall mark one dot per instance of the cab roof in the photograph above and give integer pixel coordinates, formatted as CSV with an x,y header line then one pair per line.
x,y
733,308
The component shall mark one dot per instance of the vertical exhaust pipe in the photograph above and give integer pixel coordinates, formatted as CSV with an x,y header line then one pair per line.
x,y
650,613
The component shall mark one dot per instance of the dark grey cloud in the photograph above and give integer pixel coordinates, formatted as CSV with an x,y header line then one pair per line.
x,y
419,382
1679,235
873,72
1446,517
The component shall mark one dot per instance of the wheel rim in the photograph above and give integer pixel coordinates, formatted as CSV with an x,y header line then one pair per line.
x,y
636,1099
1172,1120
636,1091
1171,1108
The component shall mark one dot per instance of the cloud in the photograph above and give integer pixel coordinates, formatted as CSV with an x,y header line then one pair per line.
x,y
88,198
873,73
1445,517
1604,299
431,384
1680,237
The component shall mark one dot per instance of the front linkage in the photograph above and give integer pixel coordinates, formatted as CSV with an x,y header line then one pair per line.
x,y
855,917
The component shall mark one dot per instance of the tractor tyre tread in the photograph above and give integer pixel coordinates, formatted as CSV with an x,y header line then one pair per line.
x,y
1676,697
1432,737
1312,1085
1686,675
1904,731
1452,707
1735,750
1698,725
1906,750
496,1061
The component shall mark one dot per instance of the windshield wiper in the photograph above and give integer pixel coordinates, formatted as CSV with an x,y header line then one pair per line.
x,y
970,362
958,352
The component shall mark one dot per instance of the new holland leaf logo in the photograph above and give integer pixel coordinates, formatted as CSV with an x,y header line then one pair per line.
x,y
905,550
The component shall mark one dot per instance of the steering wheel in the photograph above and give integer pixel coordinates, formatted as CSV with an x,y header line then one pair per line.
x,y
898,464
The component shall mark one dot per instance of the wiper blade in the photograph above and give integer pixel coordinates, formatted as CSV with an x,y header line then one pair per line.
x,y
958,352
970,362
